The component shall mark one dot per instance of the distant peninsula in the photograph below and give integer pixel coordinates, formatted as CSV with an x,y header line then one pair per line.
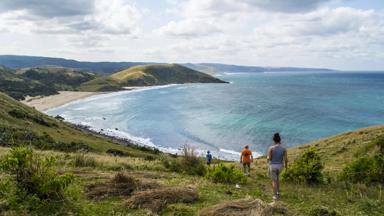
x,y
149,75
49,80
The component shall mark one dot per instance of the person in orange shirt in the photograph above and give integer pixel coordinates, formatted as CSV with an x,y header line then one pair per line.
x,y
246,159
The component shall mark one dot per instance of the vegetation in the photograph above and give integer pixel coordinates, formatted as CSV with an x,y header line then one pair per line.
x,y
56,151
368,168
19,87
97,191
305,169
226,174
49,80
21,125
62,79
41,81
189,163
83,160
33,184
149,75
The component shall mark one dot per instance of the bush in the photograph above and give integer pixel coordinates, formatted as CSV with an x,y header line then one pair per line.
x,y
322,211
33,181
16,137
227,175
116,152
380,144
189,163
368,169
39,119
306,169
83,160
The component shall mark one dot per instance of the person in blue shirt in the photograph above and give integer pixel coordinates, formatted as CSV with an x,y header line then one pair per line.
x,y
277,160
208,158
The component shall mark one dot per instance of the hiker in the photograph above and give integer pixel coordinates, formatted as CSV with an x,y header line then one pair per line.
x,y
277,160
246,159
208,158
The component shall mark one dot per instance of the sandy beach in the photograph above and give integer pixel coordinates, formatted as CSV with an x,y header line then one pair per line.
x,y
42,103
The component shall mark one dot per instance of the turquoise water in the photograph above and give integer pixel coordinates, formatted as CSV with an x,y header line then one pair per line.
x,y
224,117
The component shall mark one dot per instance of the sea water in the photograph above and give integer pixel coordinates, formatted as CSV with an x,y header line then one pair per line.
x,y
222,118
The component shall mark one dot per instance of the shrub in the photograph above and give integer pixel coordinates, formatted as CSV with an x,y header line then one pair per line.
x,y
34,180
306,169
13,136
83,160
189,163
379,142
322,211
149,158
367,169
116,152
39,119
226,174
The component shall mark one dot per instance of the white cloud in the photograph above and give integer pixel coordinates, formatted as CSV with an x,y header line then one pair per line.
x,y
310,33
86,22
189,28
115,16
249,32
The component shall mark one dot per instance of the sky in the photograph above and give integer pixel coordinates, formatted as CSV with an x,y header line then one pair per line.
x,y
338,34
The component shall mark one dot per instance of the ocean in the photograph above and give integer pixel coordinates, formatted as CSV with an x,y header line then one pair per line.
x,y
222,118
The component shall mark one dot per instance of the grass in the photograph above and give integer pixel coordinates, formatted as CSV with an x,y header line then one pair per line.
x,y
16,130
346,199
335,153
149,75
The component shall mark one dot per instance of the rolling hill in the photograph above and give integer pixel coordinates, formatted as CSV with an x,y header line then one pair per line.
x,y
22,125
149,75
62,79
19,87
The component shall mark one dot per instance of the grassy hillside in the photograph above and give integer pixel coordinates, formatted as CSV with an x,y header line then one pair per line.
x,y
62,79
107,185
95,191
22,125
150,75
19,87
42,81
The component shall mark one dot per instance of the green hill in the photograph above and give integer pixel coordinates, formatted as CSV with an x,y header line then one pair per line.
x,y
62,79
150,75
21,125
19,87
41,81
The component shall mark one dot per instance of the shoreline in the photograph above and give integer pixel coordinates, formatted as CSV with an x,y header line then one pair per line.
x,y
44,103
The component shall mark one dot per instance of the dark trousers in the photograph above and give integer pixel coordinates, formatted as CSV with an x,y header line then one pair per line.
x,y
247,167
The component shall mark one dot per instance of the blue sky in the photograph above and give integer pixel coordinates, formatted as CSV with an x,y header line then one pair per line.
x,y
340,34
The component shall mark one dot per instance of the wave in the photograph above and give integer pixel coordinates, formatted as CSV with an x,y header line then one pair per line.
x,y
219,153
112,94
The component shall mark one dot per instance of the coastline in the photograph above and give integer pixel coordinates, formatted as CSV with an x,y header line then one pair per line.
x,y
44,103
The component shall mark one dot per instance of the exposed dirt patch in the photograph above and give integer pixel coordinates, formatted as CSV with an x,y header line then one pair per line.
x,y
119,185
158,199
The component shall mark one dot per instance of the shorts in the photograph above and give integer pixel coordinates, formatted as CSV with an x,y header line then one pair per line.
x,y
247,165
274,171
